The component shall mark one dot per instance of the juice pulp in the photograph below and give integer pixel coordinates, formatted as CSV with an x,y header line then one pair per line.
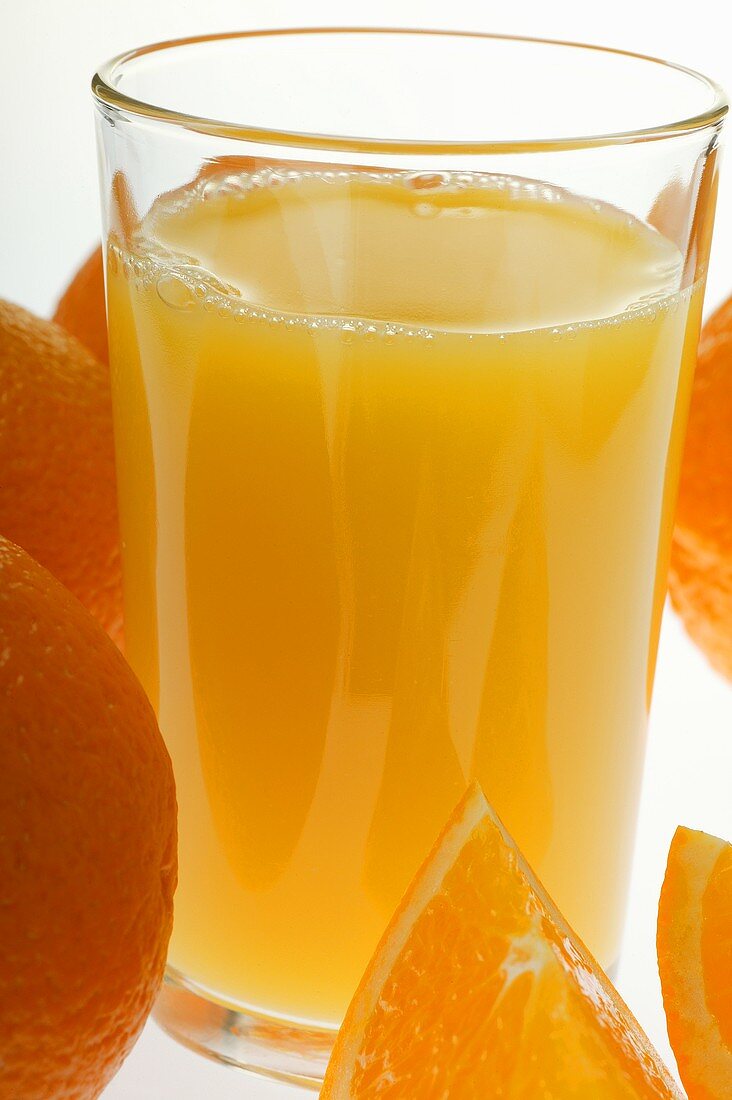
x,y
397,458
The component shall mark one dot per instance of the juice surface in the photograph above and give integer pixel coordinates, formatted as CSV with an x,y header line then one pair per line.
x,y
394,455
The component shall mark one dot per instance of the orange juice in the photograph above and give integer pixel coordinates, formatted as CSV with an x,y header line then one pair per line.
x,y
394,455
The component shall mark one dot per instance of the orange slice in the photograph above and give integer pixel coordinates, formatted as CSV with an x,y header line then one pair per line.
x,y
695,961
479,989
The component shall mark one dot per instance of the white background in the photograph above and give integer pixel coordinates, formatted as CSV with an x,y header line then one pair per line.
x,y
49,221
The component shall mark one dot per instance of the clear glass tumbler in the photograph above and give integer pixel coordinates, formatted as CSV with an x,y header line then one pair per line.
x,y
402,330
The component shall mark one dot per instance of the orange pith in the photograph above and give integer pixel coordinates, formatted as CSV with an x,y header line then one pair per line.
x,y
695,961
479,989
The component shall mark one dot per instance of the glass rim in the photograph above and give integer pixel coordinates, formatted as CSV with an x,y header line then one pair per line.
x,y
107,94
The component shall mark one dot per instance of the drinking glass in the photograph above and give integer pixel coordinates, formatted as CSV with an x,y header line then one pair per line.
x,y
402,329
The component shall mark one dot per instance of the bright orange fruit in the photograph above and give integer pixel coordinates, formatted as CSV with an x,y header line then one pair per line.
x,y
58,494
81,309
700,575
479,989
695,961
87,844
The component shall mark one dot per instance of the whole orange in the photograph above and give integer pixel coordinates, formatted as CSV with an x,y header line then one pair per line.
x,y
88,848
81,309
58,495
700,577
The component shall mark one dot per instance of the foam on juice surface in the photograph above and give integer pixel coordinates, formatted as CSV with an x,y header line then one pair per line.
x,y
626,265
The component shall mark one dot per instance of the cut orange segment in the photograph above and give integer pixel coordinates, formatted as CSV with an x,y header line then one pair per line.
x,y
695,961
480,989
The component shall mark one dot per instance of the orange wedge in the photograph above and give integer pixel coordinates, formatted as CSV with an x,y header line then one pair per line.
x,y
695,961
479,989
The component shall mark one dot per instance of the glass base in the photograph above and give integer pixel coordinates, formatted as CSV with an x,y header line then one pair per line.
x,y
275,1048
289,1052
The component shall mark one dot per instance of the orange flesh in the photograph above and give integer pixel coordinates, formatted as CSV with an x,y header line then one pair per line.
x,y
480,989
695,961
